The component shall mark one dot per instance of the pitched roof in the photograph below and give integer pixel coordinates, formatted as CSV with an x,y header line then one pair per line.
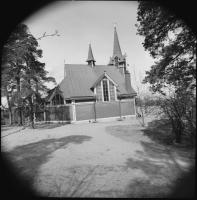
x,y
116,49
80,78
50,92
101,77
90,55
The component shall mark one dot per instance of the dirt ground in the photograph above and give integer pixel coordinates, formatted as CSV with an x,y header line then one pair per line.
x,y
109,159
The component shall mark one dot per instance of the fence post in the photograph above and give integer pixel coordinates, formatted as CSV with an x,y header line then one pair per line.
x,y
119,107
44,115
74,110
95,108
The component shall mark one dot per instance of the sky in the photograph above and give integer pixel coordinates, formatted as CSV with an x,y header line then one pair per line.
x,y
81,22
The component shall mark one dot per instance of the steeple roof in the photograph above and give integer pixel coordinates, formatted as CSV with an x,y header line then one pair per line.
x,y
116,50
90,55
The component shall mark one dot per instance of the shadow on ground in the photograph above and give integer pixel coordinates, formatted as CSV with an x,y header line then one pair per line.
x,y
9,127
162,170
160,163
50,126
159,132
24,161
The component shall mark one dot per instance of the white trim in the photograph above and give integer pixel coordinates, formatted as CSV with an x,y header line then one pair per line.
x,y
106,119
45,116
101,78
108,90
95,92
127,100
107,102
74,110
58,105
111,80
83,103
102,89
115,93
45,122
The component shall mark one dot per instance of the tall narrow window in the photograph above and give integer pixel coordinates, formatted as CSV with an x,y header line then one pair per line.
x,y
112,92
105,90
99,92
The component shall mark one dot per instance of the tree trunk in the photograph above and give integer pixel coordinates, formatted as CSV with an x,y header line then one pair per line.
x,y
31,111
143,123
179,130
19,108
145,108
20,123
10,111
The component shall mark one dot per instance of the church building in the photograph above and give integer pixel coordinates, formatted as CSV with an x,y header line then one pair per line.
x,y
95,92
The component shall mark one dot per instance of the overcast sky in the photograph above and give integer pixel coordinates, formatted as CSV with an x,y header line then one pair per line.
x,y
78,23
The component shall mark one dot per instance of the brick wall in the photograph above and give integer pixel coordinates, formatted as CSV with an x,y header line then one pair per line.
x,y
84,111
127,108
103,110
107,109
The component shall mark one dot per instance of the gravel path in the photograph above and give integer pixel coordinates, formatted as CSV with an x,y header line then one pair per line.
x,y
92,160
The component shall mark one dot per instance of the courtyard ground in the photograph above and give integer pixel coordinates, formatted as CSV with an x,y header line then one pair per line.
x,y
109,159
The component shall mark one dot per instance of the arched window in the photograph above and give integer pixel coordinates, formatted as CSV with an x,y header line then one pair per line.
x,y
105,90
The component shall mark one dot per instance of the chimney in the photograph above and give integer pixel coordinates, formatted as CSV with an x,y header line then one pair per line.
x,y
128,81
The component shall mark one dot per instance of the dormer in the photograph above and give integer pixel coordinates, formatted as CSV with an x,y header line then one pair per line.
x,y
105,88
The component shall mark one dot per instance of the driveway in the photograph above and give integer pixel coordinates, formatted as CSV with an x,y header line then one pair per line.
x,y
96,159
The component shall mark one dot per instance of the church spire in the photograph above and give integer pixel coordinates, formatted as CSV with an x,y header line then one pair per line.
x,y
90,59
116,48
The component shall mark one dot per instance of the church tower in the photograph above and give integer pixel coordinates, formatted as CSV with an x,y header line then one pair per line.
x,y
117,58
90,60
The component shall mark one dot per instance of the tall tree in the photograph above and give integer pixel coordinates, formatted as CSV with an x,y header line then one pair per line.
x,y
21,47
33,81
173,44
170,41
14,52
6,90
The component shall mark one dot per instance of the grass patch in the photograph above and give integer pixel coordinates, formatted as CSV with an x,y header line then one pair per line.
x,y
162,166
